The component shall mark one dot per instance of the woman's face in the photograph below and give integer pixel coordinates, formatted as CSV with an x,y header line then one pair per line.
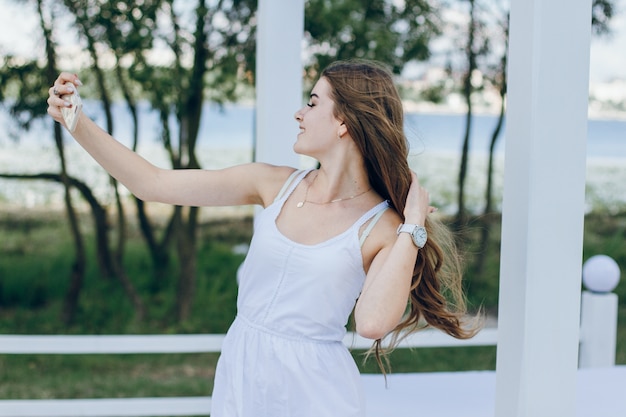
x,y
319,128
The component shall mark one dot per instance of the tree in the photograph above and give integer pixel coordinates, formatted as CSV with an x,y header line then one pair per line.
x,y
127,30
27,107
206,57
496,77
480,63
208,48
392,32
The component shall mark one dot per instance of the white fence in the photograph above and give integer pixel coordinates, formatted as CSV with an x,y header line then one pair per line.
x,y
597,348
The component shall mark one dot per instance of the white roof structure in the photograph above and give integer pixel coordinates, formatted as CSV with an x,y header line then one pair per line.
x,y
543,203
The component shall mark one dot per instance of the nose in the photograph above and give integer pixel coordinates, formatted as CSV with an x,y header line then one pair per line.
x,y
298,115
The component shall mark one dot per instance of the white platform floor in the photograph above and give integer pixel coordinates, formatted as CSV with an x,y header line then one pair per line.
x,y
601,393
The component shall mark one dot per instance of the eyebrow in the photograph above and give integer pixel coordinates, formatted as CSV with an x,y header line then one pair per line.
x,y
314,95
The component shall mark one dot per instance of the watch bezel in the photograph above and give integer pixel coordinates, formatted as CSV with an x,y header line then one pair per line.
x,y
413,229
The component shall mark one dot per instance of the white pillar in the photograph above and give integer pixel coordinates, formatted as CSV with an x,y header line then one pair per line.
x,y
543,208
598,330
598,317
280,28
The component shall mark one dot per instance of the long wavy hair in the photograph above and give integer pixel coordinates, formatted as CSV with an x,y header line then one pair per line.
x,y
367,100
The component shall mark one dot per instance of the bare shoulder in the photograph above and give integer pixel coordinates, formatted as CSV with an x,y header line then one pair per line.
x,y
382,236
270,179
387,228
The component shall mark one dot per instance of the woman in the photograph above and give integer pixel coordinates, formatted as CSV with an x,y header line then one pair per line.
x,y
327,244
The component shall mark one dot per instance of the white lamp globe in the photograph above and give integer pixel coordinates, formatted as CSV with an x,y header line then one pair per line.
x,y
601,274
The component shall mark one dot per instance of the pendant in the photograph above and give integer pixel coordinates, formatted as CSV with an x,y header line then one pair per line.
x,y
300,204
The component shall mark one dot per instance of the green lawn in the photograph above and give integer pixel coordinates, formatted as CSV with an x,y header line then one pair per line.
x,y
36,256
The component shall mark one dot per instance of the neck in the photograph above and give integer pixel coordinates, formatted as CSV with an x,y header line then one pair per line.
x,y
340,185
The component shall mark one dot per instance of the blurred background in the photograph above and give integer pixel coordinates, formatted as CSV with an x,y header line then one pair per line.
x,y
174,80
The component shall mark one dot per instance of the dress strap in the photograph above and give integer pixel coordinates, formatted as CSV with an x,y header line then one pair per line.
x,y
290,181
380,210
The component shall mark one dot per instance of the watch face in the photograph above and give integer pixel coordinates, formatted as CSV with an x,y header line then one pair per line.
x,y
419,236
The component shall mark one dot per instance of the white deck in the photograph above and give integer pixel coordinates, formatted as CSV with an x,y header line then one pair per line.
x,y
601,392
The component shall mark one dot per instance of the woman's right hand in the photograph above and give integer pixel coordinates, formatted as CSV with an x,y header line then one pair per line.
x,y
56,93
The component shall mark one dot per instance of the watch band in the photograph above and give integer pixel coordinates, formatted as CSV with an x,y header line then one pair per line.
x,y
406,228
418,233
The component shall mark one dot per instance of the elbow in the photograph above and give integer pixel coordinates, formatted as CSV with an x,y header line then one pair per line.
x,y
143,195
376,322
372,329
147,188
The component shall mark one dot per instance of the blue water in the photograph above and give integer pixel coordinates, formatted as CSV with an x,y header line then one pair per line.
x,y
605,138
233,127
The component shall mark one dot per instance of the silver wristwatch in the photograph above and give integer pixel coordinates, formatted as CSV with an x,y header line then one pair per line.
x,y
418,233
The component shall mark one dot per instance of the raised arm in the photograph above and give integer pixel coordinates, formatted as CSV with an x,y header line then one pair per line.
x,y
238,185
385,293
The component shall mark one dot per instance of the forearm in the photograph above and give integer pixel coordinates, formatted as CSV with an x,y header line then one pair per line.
x,y
129,168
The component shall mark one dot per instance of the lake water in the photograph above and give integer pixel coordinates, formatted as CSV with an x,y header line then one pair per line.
x,y
233,127
226,138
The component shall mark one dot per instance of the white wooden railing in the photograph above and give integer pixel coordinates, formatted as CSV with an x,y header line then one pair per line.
x,y
597,349
164,406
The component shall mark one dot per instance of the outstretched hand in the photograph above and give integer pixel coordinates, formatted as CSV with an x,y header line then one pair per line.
x,y
417,206
56,93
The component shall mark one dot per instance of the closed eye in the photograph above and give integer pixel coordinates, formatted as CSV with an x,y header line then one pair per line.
x,y
311,97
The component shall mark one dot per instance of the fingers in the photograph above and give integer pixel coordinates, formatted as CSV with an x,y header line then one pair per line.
x,y
58,90
64,78
62,84
418,202
431,209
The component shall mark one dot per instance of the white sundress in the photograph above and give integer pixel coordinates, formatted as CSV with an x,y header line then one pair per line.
x,y
284,355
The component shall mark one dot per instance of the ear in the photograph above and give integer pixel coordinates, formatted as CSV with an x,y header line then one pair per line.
x,y
342,130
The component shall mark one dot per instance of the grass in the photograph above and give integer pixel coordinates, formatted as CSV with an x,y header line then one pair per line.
x,y
36,257
105,376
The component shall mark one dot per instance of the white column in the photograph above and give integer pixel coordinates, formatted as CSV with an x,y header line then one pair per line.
x,y
543,208
280,29
599,311
598,330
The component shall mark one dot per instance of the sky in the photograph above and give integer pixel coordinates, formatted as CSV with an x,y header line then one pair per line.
x,y
607,55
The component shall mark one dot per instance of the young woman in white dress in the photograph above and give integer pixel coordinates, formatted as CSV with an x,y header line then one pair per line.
x,y
353,236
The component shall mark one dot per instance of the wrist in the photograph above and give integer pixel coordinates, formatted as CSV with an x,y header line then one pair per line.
x,y
417,232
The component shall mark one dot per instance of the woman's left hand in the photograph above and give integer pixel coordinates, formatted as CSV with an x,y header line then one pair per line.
x,y
417,203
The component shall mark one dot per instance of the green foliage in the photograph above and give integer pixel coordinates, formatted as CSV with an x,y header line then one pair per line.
x,y
31,293
391,32
435,93
453,359
23,88
601,13
105,376
105,309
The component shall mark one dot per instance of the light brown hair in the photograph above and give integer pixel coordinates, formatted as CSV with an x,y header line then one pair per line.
x,y
367,100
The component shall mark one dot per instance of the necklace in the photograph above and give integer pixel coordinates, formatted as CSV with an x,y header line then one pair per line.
x,y
336,200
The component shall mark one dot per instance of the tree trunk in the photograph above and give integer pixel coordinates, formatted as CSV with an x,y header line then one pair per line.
x,y
461,216
158,252
77,275
189,118
117,260
186,248
487,213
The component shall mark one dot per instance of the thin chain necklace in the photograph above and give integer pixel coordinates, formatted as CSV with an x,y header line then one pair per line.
x,y
336,200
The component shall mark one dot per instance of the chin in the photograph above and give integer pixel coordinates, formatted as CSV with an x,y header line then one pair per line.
x,y
297,148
